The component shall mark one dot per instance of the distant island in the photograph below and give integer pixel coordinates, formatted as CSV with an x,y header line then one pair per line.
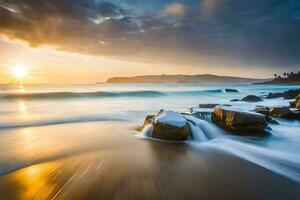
x,y
204,78
286,78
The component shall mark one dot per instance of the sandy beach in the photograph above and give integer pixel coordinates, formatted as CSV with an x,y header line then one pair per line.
x,y
90,161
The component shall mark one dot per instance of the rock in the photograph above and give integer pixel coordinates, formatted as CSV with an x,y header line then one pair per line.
x,y
262,110
148,120
234,100
292,104
239,121
297,102
281,112
231,90
168,125
208,105
271,121
298,105
285,113
266,111
269,128
252,98
274,95
290,94
259,106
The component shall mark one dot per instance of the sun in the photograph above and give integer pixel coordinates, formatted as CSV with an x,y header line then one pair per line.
x,y
19,71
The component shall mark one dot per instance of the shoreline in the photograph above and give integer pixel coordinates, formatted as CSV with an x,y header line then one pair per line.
x,y
146,170
106,160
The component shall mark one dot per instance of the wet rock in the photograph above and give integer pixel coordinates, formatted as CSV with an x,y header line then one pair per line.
x,y
208,105
266,111
259,106
293,104
252,98
239,121
269,128
168,125
271,121
262,110
284,112
234,100
297,102
274,95
281,112
231,90
290,94
148,120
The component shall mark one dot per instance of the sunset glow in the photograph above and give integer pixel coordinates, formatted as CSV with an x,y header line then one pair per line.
x,y
141,99
19,72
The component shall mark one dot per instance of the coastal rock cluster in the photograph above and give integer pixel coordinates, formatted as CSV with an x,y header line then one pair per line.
x,y
290,94
279,112
174,126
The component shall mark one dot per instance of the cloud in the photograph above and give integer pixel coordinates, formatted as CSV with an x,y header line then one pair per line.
x,y
174,9
253,32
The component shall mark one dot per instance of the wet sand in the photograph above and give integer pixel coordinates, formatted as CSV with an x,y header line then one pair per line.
x,y
104,160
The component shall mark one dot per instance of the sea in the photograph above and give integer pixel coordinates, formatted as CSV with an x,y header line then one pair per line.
x,y
80,140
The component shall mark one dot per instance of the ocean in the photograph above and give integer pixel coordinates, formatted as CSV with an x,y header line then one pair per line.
x,y
66,141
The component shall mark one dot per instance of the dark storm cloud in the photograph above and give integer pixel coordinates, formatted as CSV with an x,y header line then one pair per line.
x,y
265,32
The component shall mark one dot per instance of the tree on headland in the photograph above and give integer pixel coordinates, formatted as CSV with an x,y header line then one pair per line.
x,y
287,77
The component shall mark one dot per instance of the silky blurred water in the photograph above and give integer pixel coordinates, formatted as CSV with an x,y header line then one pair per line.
x,y
54,104
41,124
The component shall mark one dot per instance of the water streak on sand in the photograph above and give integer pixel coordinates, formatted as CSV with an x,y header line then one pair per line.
x,y
205,134
66,120
284,163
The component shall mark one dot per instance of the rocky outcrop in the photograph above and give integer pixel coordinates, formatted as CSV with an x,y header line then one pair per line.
x,y
252,98
297,102
266,111
168,125
290,94
281,112
284,112
263,110
231,90
239,121
208,105
292,104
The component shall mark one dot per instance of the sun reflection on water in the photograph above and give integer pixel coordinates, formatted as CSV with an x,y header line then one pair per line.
x,y
21,89
37,181
28,133
23,110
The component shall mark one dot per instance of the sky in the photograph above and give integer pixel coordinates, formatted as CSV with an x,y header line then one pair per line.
x,y
87,41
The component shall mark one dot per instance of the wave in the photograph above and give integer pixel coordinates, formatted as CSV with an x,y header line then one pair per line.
x,y
196,92
69,120
63,95
101,94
